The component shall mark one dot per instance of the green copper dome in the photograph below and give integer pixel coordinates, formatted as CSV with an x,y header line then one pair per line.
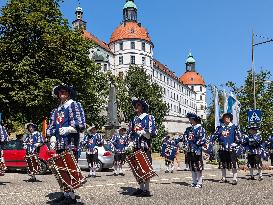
x,y
190,59
130,4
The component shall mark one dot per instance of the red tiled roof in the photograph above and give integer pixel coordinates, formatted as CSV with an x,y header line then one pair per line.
x,y
130,30
93,38
192,78
164,69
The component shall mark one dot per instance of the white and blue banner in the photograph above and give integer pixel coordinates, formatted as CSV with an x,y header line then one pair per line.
x,y
234,108
254,116
217,111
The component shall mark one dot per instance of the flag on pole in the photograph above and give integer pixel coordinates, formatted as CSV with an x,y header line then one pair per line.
x,y
234,108
217,111
225,95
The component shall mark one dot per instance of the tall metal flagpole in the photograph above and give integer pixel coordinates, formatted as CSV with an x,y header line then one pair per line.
x,y
253,72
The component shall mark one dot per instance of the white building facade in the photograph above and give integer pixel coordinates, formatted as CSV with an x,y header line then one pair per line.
x,y
130,44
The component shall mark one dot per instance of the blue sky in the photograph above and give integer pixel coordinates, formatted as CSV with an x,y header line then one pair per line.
x,y
217,32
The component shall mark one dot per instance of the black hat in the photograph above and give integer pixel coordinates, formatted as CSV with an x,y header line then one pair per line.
x,y
253,126
194,117
68,88
227,115
142,102
31,125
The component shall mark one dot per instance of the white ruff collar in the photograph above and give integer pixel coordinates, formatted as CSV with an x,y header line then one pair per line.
x,y
196,126
229,125
66,104
142,116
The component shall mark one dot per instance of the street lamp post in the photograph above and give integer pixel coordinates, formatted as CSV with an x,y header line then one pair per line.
x,y
253,65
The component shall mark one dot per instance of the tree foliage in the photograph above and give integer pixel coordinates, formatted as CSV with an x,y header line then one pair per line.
x,y
138,84
38,50
244,93
264,99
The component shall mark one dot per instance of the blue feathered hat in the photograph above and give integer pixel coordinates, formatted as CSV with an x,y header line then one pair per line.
x,y
30,124
142,102
253,126
194,117
68,88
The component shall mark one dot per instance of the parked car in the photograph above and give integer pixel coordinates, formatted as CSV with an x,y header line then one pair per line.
x,y
14,155
106,158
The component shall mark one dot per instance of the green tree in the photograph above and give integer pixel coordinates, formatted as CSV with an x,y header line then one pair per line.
x,y
245,94
138,84
38,50
264,99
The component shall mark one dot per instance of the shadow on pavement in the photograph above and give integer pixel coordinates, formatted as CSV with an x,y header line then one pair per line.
x,y
4,183
182,183
212,180
26,180
55,195
127,191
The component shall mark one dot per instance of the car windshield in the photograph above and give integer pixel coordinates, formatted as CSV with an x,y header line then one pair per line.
x,y
13,145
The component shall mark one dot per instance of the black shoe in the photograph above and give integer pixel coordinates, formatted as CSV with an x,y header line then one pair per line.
x,y
251,178
68,201
223,181
167,171
89,175
122,174
115,174
260,179
137,192
145,194
32,180
172,171
59,199
234,182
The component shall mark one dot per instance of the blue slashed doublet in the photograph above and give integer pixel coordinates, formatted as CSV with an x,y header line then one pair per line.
x,y
68,114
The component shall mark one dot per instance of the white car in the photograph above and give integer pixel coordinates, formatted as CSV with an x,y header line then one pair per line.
x,y
106,158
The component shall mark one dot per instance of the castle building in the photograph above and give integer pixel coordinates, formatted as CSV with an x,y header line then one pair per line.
x,y
130,44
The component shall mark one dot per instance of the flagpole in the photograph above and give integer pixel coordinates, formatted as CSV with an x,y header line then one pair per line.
x,y
253,71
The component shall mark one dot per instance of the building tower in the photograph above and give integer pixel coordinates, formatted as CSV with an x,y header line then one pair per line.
x,y
79,23
195,81
130,11
131,43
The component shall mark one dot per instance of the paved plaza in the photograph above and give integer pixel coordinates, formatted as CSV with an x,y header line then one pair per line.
x,y
166,189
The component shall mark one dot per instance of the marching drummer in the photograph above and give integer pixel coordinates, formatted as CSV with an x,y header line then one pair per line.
x,y
254,146
168,151
91,141
142,129
66,123
195,138
119,143
229,137
32,141
3,138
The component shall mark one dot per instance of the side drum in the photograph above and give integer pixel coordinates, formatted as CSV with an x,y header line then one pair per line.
x,y
141,166
33,164
67,171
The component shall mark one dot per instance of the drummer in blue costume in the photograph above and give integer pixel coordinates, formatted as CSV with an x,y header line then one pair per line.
x,y
66,123
142,129
119,143
3,138
32,141
91,141
254,147
229,137
194,139
168,151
